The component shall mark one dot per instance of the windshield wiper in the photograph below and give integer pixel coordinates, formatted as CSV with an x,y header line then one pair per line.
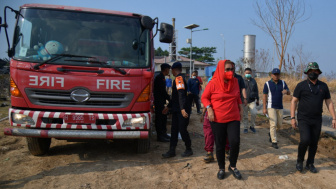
x,y
37,66
102,63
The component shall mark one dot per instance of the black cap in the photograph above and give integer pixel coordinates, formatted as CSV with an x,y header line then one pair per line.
x,y
176,65
164,66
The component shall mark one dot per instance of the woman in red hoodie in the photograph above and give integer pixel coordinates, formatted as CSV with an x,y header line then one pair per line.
x,y
221,97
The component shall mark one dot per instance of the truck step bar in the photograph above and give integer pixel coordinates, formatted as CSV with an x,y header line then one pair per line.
x,y
75,134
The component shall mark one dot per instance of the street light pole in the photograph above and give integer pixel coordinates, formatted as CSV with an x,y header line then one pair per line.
x,y
191,27
190,53
191,46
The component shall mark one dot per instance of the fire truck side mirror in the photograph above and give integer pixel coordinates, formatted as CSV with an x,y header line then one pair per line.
x,y
147,22
0,24
166,33
17,37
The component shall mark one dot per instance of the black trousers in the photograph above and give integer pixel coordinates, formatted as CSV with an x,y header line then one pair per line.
x,y
160,121
310,130
195,98
179,124
221,131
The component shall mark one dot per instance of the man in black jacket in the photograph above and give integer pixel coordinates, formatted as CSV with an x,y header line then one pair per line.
x,y
180,108
252,94
160,99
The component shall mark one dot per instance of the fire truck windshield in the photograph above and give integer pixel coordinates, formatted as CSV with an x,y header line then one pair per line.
x,y
118,41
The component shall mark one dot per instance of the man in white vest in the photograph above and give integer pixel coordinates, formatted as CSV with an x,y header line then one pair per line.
x,y
274,90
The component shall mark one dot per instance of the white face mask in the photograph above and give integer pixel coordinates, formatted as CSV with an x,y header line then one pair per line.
x,y
194,77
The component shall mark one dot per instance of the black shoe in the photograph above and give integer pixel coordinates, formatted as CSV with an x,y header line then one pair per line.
x,y
311,168
209,157
166,136
275,145
235,173
253,129
221,174
187,153
169,154
162,139
299,166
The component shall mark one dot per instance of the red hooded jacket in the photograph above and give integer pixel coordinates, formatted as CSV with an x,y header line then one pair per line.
x,y
224,98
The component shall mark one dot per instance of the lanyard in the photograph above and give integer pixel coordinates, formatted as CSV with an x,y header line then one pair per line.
x,y
318,88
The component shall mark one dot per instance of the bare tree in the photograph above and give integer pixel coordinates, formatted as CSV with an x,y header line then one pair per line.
x,y
240,65
262,60
302,59
330,76
278,20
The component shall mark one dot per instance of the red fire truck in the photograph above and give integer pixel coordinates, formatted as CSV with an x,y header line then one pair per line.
x,y
81,73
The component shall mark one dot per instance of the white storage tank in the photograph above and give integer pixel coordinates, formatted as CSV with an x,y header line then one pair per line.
x,y
249,52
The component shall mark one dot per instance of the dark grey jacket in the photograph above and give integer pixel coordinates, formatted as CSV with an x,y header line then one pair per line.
x,y
251,88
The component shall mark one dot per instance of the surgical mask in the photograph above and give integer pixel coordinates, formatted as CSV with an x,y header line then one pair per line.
x,y
194,77
313,75
228,75
248,76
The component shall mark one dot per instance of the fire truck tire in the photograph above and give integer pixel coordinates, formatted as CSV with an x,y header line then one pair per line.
x,y
38,146
143,145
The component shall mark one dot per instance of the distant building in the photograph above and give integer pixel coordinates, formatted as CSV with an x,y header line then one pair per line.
x,y
199,66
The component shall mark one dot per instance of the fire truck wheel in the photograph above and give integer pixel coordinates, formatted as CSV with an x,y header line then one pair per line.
x,y
38,146
143,145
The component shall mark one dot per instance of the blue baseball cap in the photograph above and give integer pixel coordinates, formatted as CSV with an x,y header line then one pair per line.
x,y
176,65
276,71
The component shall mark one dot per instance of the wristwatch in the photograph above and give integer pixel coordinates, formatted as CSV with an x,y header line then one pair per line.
x,y
208,106
292,117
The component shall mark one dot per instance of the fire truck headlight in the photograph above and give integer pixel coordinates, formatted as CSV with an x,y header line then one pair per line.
x,y
22,119
135,122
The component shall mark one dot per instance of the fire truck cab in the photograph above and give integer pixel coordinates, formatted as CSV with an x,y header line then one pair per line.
x,y
81,73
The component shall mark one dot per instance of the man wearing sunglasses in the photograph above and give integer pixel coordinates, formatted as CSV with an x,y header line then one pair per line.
x,y
310,93
274,90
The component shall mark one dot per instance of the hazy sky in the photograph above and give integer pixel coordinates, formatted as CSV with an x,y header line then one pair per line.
x,y
317,35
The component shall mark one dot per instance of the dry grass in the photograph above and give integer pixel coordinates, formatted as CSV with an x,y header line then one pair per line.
x,y
331,84
292,82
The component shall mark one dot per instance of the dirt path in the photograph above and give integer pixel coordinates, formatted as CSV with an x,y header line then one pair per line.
x,y
116,165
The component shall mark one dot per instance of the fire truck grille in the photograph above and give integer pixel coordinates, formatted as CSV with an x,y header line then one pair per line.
x,y
63,98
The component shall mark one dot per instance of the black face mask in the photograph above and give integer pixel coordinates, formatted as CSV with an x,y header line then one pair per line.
x,y
313,75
